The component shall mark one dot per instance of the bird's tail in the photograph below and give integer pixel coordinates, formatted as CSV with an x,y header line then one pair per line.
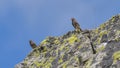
x,y
78,30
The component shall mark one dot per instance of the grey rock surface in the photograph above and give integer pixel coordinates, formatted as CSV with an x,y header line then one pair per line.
x,y
73,50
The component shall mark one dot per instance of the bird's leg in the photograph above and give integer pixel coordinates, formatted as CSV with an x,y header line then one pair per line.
x,y
77,31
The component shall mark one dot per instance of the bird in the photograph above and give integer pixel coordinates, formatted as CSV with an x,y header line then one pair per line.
x,y
32,44
76,25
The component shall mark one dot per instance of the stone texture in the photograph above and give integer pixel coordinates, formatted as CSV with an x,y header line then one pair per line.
x,y
73,50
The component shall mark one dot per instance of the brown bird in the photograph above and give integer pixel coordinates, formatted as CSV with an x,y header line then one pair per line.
x,y
76,25
32,44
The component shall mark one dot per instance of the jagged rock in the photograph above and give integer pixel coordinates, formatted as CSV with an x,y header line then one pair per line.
x,y
104,38
73,50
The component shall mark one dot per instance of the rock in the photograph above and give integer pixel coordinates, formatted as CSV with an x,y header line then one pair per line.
x,y
104,38
73,50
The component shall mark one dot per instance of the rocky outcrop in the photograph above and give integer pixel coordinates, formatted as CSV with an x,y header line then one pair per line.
x,y
73,50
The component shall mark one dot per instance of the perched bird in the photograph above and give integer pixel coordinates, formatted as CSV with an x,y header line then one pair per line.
x,y
32,44
76,25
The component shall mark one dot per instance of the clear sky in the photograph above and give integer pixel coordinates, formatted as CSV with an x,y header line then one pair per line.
x,y
22,20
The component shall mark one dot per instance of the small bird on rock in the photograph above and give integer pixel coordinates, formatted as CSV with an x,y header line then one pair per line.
x,y
76,25
32,44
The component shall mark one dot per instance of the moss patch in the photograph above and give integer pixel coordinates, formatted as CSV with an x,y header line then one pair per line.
x,y
117,39
61,48
60,60
97,30
113,19
65,64
48,65
118,32
102,26
102,33
37,64
88,63
57,41
72,39
116,56
101,48
44,42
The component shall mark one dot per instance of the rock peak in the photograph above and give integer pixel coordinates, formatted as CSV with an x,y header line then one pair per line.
x,y
73,50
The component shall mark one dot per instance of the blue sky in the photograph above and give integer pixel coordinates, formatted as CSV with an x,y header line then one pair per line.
x,y
22,20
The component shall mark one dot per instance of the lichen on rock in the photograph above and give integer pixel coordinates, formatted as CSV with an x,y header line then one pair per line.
x,y
73,50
